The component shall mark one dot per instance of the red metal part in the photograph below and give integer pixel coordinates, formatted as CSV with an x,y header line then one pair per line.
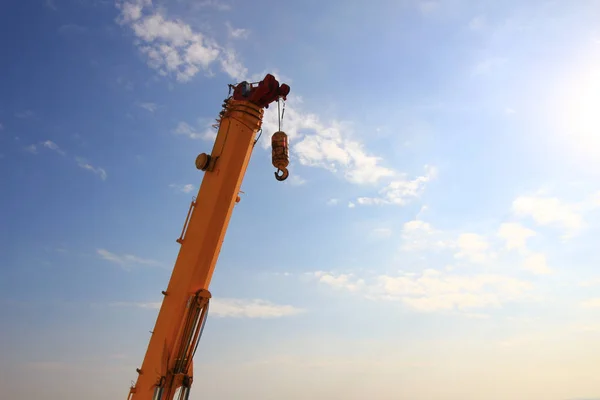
x,y
262,94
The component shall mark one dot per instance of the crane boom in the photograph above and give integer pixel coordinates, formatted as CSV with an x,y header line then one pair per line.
x,y
167,368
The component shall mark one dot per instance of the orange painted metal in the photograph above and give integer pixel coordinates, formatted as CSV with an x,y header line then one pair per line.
x,y
167,365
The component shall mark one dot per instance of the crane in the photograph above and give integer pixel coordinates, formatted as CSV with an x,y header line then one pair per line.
x,y
167,368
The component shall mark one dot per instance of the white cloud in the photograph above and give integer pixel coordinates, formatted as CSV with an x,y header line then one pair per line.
x,y
334,152
125,260
183,188
537,264
341,281
235,308
401,191
85,165
418,235
473,247
185,129
549,211
351,205
321,144
33,148
241,308
515,235
232,66
591,303
151,107
294,98
53,146
132,10
332,202
237,33
434,290
173,47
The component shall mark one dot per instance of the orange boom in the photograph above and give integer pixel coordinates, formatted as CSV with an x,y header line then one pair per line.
x,y
167,369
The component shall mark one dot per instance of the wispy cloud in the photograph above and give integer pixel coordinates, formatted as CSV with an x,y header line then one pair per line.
x,y
48,144
240,308
237,33
333,202
330,150
173,47
185,129
515,235
235,308
325,144
187,188
53,146
232,66
418,235
151,107
81,162
433,290
96,170
473,247
549,211
401,190
536,263
348,281
126,260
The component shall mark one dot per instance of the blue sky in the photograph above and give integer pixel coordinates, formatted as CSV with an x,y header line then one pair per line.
x,y
436,239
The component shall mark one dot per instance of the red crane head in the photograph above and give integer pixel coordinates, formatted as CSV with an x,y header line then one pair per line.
x,y
262,93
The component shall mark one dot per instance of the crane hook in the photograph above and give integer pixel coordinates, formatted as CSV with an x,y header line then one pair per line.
x,y
284,174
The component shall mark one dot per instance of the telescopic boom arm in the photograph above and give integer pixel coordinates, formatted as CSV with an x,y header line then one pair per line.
x,y
167,369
